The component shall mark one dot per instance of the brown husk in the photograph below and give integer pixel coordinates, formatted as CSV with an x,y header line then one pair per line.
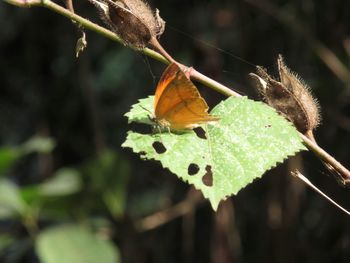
x,y
132,20
289,96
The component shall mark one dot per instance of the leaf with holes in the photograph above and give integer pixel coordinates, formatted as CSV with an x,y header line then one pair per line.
x,y
249,139
141,111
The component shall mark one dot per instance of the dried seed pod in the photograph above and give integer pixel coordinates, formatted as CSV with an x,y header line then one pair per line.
x,y
132,20
290,96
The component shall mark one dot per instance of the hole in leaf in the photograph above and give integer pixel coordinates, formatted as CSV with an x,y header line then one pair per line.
x,y
207,179
159,147
193,169
268,126
200,132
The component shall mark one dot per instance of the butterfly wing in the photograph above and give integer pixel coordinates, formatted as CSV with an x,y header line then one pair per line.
x,y
163,100
178,102
188,114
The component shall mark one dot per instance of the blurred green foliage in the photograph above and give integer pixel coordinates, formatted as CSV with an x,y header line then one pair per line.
x,y
73,243
107,178
77,173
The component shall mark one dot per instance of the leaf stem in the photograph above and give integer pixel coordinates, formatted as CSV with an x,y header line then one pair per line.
x,y
162,217
69,5
313,187
344,172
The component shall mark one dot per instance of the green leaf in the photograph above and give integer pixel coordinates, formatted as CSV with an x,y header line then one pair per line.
x,y
31,194
141,112
74,244
66,181
11,203
38,144
7,158
8,155
249,139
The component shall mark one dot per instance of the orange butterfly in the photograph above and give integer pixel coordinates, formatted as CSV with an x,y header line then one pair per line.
x,y
178,104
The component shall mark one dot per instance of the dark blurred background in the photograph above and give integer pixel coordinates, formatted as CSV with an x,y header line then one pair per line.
x,y
62,117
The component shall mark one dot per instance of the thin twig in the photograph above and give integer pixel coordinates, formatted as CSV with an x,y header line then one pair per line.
x,y
323,155
312,186
345,173
162,217
69,5
24,3
94,27
324,53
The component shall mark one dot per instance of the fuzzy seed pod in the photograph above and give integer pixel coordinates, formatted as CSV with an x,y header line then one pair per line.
x,y
289,96
132,20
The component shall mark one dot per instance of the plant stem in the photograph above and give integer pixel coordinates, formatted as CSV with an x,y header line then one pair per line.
x,y
213,84
323,155
84,22
345,173
24,3
154,42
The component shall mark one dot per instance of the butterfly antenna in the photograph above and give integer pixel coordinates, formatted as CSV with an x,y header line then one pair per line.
x,y
300,176
151,114
212,46
145,60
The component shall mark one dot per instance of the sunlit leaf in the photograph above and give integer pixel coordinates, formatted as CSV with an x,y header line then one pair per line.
x,y
38,144
65,181
249,139
11,203
9,155
74,244
141,111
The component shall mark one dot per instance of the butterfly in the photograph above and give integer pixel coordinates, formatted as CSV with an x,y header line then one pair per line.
x,y
178,105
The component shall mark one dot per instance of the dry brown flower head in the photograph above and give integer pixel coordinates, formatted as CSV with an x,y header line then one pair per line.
x,y
290,96
132,20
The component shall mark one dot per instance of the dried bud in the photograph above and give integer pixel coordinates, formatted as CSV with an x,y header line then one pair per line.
x,y
132,20
290,96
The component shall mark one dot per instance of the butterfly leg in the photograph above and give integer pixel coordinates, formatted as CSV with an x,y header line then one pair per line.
x,y
169,131
158,134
